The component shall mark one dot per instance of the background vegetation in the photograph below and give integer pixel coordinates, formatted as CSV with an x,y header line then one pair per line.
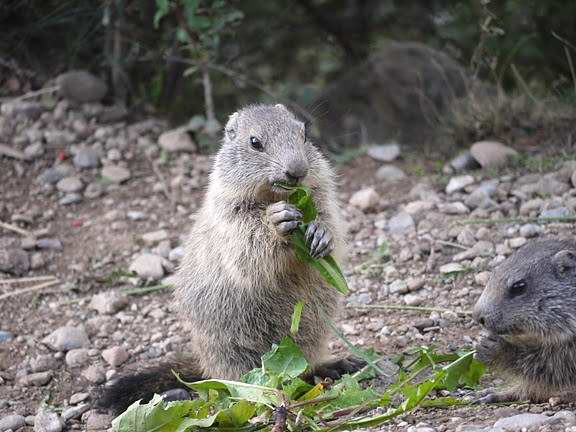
x,y
162,52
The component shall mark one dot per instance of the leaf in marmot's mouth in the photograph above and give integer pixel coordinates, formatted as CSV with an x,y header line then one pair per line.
x,y
301,197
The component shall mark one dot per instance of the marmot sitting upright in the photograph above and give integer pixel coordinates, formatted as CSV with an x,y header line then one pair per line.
x,y
240,278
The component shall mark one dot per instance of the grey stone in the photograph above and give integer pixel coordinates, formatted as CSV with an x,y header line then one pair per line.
x,y
385,152
49,243
458,183
70,198
86,158
390,173
34,151
480,249
365,199
108,302
413,299
14,261
77,357
37,379
74,412
148,266
451,268
176,254
401,223
93,190
531,230
11,152
55,174
81,86
153,237
5,336
517,242
96,421
454,208
136,215
399,286
94,374
67,338
116,174
77,398
464,161
557,212
177,140
115,356
43,363
520,421
12,422
47,421
491,154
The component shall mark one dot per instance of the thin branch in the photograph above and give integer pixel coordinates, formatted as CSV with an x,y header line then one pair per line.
x,y
32,94
543,220
409,308
30,289
15,229
27,280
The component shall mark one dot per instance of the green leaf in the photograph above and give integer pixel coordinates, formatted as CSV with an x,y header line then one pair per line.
x,y
159,416
327,266
349,393
285,360
162,9
237,390
296,315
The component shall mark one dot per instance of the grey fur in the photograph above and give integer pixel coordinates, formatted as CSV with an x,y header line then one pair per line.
x,y
240,279
532,326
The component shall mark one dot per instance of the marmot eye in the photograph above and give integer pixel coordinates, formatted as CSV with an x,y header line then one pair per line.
x,y
517,288
256,144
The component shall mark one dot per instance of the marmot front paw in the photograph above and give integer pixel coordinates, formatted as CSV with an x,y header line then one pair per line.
x,y
319,240
488,347
284,217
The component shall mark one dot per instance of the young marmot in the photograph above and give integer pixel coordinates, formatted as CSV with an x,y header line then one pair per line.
x,y
529,308
240,278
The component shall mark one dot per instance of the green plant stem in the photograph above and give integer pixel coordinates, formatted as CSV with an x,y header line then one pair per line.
x,y
145,290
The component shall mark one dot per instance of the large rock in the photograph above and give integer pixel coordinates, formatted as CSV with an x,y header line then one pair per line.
x,y
81,86
47,421
521,422
70,184
390,173
108,303
401,223
491,154
398,93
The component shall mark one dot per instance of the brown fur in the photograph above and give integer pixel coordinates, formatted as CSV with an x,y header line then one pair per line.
x,y
532,329
239,280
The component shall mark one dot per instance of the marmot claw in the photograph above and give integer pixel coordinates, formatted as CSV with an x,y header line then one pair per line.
x,y
285,217
319,240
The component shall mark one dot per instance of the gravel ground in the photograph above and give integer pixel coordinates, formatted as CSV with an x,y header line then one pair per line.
x,y
98,203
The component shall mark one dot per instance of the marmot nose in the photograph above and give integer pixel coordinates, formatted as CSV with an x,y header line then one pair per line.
x,y
295,172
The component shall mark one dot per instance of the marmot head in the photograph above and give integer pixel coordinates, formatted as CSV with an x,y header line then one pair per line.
x,y
531,297
263,144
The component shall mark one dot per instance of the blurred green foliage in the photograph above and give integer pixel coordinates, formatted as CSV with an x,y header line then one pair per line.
x,y
284,48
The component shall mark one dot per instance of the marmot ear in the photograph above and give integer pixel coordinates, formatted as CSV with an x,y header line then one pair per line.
x,y
565,260
231,126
